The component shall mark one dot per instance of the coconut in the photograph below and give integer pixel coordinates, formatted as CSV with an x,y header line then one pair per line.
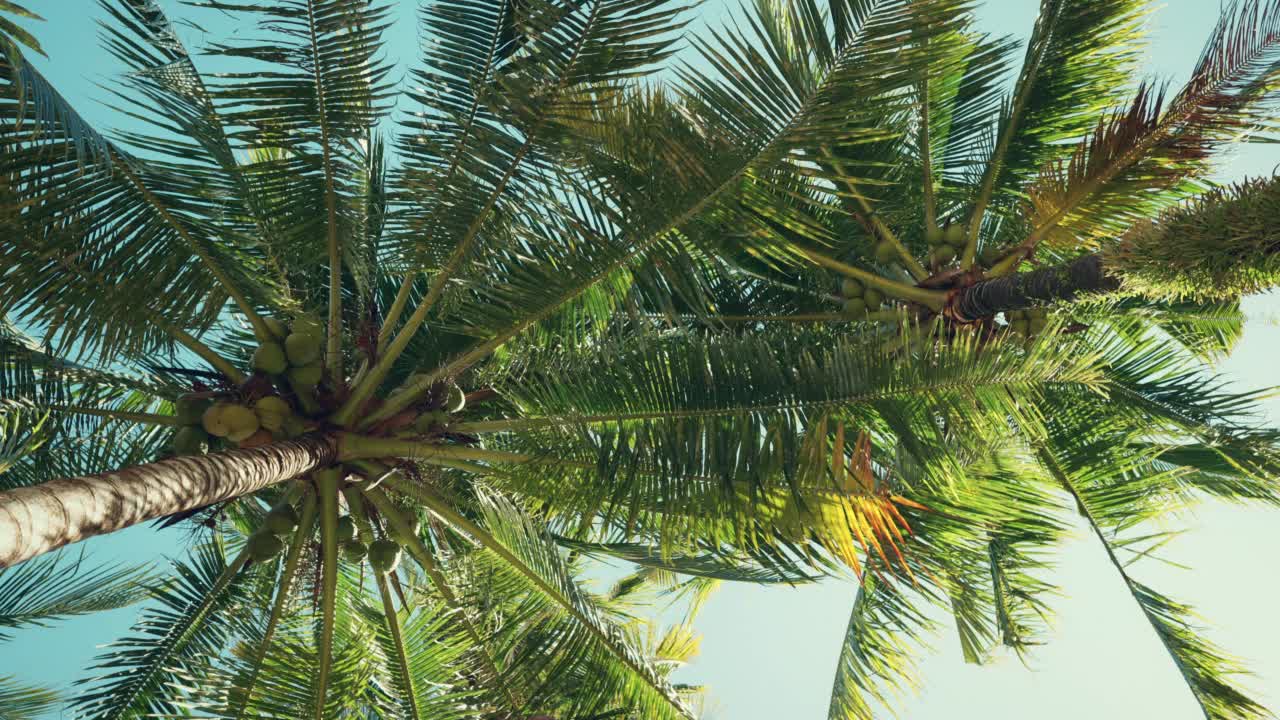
x,y
1038,323
886,253
384,556
934,236
1020,326
943,254
214,420
188,409
263,546
346,529
270,359
259,438
873,298
302,348
277,327
282,520
190,440
241,422
271,411
354,550
851,288
456,400
855,308
307,326
955,236
307,376
989,256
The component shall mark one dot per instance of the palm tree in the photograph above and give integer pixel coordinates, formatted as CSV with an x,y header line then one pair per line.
x,y
573,315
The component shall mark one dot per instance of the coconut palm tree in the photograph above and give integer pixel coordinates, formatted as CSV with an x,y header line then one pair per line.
x,y
565,312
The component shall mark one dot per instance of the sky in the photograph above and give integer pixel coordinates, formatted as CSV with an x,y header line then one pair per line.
x,y
771,653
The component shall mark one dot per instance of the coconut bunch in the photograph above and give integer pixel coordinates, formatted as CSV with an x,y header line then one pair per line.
x,y
945,244
295,354
265,543
859,299
383,554
256,413
1028,323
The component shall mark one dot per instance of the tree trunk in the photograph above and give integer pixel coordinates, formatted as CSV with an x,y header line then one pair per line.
x,y
35,520
1046,286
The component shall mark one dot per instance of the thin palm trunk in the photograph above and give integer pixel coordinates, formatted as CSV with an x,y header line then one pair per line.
x,y
37,519
1060,283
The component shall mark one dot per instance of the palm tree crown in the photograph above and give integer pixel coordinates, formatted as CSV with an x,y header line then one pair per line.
x,y
408,371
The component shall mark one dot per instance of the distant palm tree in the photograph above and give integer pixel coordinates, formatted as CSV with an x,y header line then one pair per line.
x,y
576,314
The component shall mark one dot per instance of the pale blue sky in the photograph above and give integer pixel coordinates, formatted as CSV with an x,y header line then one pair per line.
x,y
770,653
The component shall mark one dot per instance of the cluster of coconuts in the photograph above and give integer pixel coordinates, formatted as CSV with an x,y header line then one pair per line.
x,y
249,425
295,352
945,244
859,299
1027,323
265,542
191,438
383,554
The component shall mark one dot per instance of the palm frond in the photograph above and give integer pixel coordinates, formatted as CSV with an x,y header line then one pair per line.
x,y
57,586
25,702
148,671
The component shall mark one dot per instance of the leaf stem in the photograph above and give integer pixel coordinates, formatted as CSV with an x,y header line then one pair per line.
x,y
932,299
291,563
422,554
913,266
327,486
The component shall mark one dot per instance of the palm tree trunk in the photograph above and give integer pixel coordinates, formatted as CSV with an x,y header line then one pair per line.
x,y
1047,286
35,520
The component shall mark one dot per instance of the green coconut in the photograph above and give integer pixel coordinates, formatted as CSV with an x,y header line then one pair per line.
x,y
851,288
955,236
302,348
241,422
263,546
1020,326
307,326
886,253
270,359
934,236
346,529
456,399
272,411
282,520
190,440
989,256
277,327
189,409
873,298
943,254
214,420
1037,324
354,550
855,308
384,556
307,376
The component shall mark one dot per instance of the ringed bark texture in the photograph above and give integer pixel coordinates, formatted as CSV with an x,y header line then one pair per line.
x,y
35,520
1046,286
